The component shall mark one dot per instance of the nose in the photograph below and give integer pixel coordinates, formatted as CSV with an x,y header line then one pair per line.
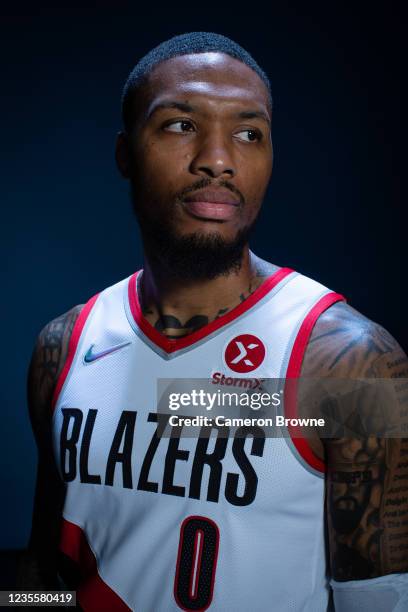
x,y
213,158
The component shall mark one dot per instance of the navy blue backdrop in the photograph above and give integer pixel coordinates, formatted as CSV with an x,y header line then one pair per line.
x,y
334,210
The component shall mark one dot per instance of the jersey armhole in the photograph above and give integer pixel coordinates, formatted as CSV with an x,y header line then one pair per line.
x,y
293,371
72,347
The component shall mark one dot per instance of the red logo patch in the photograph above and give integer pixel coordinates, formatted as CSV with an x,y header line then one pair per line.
x,y
244,353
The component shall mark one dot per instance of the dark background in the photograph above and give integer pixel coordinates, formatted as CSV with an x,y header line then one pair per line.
x,y
334,210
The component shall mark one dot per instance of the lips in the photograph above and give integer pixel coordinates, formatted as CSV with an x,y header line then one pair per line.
x,y
212,204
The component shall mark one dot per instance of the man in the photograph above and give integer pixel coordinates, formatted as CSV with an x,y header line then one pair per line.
x,y
158,523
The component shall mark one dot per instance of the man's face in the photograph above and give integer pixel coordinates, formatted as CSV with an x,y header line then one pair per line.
x,y
199,155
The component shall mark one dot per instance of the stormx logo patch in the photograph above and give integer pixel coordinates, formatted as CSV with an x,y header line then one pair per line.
x,y
244,353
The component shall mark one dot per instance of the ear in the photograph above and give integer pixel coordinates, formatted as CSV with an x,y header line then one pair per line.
x,y
122,154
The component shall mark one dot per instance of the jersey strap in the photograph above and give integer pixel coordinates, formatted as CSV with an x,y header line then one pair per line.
x,y
72,347
293,371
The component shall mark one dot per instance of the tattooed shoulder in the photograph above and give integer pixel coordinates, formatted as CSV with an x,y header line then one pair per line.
x,y
367,473
344,343
47,360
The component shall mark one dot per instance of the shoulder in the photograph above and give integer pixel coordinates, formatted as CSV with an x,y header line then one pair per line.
x,y
48,358
345,343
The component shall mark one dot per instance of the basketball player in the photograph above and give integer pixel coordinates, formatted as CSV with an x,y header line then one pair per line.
x,y
155,524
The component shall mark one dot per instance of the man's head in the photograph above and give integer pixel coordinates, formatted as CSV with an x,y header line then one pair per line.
x,y
197,151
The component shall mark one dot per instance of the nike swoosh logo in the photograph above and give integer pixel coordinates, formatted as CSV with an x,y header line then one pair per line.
x,y
90,356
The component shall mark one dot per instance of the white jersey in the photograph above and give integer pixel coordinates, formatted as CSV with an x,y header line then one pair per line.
x,y
157,524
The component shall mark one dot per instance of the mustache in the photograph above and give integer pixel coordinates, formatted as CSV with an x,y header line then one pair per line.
x,y
203,183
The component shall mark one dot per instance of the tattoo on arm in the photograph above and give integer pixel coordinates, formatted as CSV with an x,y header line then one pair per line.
x,y
367,477
37,569
52,344
368,509
47,361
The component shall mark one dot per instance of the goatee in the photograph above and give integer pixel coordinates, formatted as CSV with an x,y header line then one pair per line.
x,y
194,256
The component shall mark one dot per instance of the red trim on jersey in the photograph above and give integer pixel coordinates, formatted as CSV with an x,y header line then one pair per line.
x,y
72,347
92,593
293,371
174,345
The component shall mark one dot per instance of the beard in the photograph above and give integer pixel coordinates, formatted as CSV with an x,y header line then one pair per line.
x,y
195,256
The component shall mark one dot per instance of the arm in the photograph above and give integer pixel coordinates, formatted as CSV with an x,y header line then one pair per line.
x,y
38,567
367,475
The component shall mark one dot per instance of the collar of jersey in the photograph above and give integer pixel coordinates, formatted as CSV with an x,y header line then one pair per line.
x,y
172,345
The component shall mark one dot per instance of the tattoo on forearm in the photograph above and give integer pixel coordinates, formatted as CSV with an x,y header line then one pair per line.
x,y
395,544
354,502
367,479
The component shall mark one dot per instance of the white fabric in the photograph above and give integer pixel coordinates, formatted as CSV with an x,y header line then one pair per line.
x,y
384,594
272,552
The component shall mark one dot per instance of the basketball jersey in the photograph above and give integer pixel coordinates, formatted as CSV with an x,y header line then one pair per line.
x,y
159,524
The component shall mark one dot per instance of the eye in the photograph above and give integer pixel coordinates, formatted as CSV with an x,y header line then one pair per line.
x,y
249,135
179,126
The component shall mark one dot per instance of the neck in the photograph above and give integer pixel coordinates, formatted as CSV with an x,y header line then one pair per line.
x,y
177,307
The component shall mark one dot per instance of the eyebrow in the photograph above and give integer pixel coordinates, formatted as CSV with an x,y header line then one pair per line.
x,y
182,106
254,115
188,108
